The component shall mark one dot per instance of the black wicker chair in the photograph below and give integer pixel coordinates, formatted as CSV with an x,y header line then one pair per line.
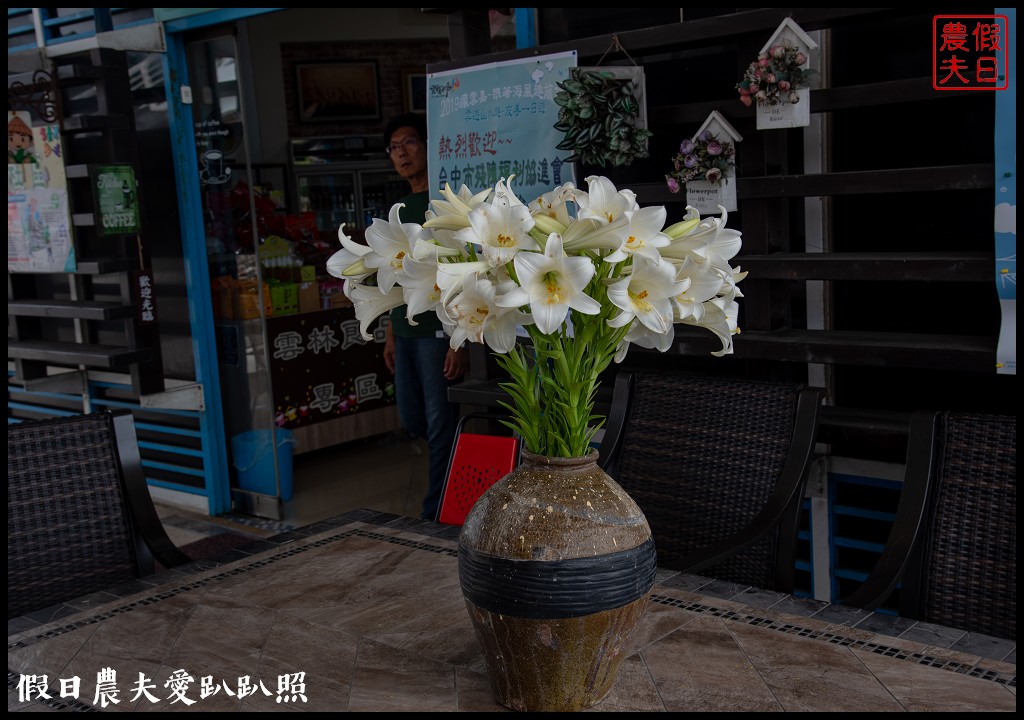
x,y
718,466
952,551
79,514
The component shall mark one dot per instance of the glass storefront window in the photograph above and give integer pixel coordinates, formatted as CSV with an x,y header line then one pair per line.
x,y
260,452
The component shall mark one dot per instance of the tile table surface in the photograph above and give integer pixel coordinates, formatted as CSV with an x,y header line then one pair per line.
x,y
363,612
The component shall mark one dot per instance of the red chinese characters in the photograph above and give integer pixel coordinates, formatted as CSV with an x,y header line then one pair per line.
x,y
968,52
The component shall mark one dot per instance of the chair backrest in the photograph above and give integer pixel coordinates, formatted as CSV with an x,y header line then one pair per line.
x,y
610,447
718,467
79,513
477,462
969,567
952,551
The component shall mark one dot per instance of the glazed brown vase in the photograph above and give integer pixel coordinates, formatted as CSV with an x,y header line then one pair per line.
x,y
556,563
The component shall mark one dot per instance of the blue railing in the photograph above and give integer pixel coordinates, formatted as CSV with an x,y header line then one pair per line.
x,y
861,514
73,25
170,441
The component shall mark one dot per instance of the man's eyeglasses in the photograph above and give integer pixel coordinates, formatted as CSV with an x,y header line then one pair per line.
x,y
407,144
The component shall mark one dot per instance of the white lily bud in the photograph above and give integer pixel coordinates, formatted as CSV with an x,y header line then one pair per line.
x,y
356,268
548,224
681,228
447,222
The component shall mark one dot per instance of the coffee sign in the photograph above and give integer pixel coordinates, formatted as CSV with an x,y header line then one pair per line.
x,y
117,200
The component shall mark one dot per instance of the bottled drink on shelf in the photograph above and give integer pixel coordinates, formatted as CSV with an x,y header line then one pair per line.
x,y
350,209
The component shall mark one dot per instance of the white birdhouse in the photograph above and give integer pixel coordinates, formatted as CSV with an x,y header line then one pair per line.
x,y
785,98
704,195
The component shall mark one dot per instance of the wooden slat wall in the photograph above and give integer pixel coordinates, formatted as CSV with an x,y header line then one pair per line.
x,y
911,318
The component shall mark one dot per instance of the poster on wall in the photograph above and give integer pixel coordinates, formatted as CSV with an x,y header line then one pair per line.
x,y
1006,210
38,216
488,122
321,368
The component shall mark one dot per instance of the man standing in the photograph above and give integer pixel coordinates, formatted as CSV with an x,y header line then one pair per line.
x,y
419,355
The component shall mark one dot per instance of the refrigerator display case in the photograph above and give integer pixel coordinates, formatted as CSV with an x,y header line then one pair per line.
x,y
344,180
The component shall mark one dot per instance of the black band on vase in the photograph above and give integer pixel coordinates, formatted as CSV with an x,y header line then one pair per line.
x,y
538,589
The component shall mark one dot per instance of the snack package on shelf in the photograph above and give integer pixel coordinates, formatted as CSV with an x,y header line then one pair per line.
x,y
332,294
284,297
246,299
309,296
220,292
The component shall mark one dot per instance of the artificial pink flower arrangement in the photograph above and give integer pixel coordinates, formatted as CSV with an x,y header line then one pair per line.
x,y
775,77
707,158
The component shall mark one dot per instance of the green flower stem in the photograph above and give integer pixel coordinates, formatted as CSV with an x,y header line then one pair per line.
x,y
552,392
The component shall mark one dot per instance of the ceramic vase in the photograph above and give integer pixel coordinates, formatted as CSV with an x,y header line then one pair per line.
x,y
556,564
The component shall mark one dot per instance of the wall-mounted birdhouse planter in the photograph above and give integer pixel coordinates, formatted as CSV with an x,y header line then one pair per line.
x,y
706,165
777,81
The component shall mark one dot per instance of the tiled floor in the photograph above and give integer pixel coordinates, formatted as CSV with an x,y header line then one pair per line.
x,y
385,472
367,608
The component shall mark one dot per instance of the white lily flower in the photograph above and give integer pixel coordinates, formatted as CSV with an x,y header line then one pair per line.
x,y
720,317
727,243
644,236
419,284
646,294
603,201
730,290
370,302
503,191
501,229
343,263
701,284
641,335
473,315
708,238
487,263
552,283
554,204
391,241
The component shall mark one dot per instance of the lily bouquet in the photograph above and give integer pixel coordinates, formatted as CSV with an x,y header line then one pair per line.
x,y
586,273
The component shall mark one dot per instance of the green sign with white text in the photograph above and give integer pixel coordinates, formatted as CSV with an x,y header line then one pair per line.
x,y
117,200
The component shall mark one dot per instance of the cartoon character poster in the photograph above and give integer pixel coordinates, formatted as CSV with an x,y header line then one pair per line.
x,y
38,216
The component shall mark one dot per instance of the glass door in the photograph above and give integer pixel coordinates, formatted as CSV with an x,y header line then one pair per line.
x,y
237,221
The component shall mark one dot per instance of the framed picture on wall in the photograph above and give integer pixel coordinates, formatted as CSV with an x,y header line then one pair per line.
x,y
414,90
338,91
